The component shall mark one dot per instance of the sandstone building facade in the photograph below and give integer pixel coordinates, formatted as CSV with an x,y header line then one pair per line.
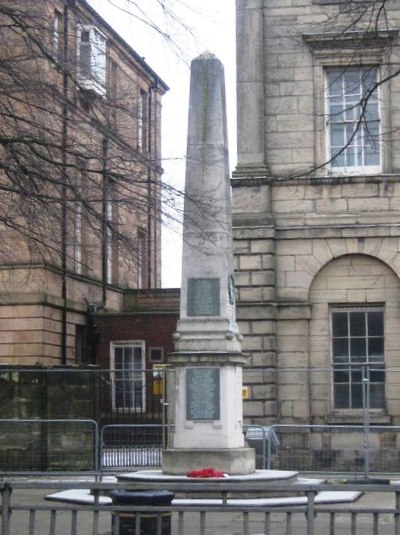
x,y
80,180
316,198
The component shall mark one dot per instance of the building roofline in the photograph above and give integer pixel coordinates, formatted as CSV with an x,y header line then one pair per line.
x,y
124,44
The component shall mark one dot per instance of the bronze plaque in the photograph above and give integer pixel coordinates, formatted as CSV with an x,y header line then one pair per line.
x,y
203,297
202,394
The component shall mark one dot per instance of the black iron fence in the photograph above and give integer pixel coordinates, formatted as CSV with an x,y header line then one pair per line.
x,y
106,396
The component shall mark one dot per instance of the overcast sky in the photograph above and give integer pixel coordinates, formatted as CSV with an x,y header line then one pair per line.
x,y
212,25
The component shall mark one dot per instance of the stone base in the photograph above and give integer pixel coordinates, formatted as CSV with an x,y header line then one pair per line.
x,y
232,461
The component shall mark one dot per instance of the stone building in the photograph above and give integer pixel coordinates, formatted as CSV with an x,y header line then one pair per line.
x,y
80,118
316,197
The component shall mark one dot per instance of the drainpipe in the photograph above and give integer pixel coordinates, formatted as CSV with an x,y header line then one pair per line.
x,y
105,235
152,210
64,142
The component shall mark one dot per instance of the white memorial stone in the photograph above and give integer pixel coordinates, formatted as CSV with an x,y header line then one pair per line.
x,y
208,359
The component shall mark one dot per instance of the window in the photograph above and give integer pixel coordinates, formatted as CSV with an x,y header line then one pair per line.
x,y
143,121
77,221
79,337
156,354
78,218
353,120
358,353
114,80
329,2
128,378
108,223
58,28
92,59
142,259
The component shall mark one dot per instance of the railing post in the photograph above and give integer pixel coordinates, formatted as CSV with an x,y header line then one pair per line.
x,y
264,447
5,509
310,513
271,432
366,404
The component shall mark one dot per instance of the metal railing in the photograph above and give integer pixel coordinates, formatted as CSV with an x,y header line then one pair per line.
x,y
25,510
77,446
30,445
80,446
337,448
48,445
131,445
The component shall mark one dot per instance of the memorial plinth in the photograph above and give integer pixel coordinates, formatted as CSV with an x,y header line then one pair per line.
x,y
208,359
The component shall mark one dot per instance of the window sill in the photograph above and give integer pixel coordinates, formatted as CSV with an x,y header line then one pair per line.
x,y
91,86
354,171
377,417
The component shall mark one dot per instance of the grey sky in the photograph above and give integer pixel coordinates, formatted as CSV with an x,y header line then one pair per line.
x,y
212,25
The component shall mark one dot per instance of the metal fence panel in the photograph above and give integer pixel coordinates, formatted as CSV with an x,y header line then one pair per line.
x,y
48,445
125,446
336,448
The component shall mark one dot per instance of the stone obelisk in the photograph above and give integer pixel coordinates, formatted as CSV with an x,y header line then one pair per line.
x,y
208,359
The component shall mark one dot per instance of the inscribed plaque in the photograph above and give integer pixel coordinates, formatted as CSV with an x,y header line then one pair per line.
x,y
203,297
202,394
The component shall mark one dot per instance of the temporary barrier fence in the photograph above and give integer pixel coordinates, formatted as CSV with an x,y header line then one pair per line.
x,y
122,446
76,446
48,445
133,412
334,448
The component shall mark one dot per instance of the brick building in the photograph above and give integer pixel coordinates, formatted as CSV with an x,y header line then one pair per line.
x,y
80,139
316,208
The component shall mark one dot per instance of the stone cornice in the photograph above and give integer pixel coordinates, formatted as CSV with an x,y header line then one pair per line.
x,y
351,39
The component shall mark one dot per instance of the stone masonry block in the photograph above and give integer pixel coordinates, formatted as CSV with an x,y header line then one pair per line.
x,y
264,392
263,327
250,262
331,205
262,246
263,358
262,278
242,278
253,408
290,207
270,408
369,204
294,247
307,263
249,294
293,328
251,343
286,263
268,294
298,279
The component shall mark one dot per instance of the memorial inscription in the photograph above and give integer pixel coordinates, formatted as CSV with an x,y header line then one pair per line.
x,y
203,297
202,394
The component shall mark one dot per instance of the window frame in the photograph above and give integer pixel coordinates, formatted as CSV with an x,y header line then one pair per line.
x,y
351,169
343,51
156,348
142,258
336,2
95,79
350,367
143,121
58,35
77,238
134,344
